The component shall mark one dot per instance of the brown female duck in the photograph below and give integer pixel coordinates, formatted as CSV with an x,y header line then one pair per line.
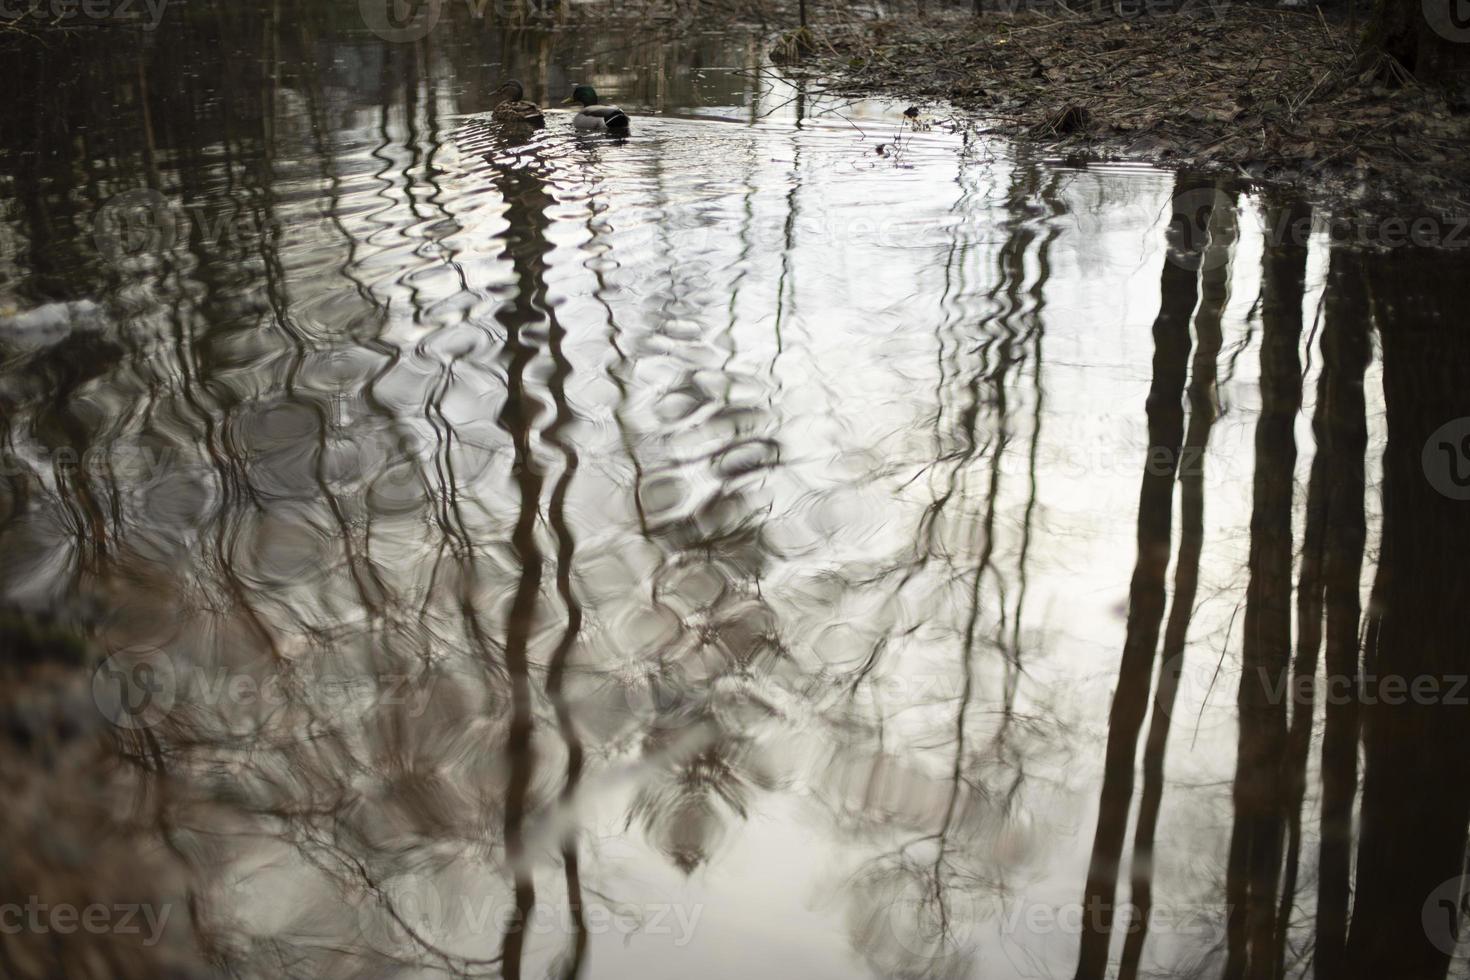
x,y
513,107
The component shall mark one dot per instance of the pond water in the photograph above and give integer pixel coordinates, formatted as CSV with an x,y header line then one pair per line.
x,y
782,542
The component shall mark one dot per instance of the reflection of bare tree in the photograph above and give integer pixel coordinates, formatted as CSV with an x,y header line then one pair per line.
x,y
1416,776
371,464
526,247
1214,290
1346,351
270,459
1146,591
919,901
699,692
558,663
1332,558
1256,840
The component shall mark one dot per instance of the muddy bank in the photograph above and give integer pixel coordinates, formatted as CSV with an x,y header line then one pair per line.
x,y
1280,96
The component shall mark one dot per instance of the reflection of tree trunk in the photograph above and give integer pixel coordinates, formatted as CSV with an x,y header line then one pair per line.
x,y
1310,597
1214,292
526,247
1416,781
1255,844
1345,353
788,229
556,668
1145,592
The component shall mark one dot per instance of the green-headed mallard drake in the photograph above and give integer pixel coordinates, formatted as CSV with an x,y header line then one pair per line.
x,y
594,115
514,108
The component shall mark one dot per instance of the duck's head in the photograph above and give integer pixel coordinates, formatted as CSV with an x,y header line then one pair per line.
x,y
582,94
512,91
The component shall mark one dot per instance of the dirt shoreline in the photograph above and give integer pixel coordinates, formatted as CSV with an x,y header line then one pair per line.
x,y
1272,96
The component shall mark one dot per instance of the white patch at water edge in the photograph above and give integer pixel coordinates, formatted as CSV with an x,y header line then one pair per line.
x,y
50,323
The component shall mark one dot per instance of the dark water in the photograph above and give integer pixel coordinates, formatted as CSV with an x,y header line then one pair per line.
x,y
733,551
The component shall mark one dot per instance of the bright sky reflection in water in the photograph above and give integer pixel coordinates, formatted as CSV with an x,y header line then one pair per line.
x,y
731,527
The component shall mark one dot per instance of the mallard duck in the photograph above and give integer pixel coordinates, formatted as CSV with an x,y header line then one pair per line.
x,y
514,108
595,115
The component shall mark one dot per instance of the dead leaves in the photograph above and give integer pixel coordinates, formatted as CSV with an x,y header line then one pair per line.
x,y
1244,86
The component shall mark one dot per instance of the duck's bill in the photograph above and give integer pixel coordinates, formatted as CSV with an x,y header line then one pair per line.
x,y
568,100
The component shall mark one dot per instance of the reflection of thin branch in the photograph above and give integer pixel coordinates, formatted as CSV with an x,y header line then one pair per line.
x,y
458,965
933,865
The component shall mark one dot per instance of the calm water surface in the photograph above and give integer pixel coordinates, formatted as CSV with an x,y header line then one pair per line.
x,y
791,541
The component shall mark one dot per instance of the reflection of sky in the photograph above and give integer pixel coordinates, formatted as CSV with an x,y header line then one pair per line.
x,y
766,325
